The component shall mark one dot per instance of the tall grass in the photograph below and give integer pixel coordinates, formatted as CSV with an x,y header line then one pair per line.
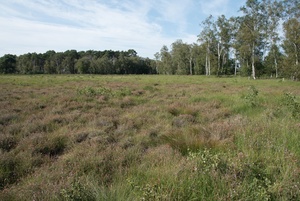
x,y
81,137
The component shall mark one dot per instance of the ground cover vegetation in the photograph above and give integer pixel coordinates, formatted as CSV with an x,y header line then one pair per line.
x,y
263,41
142,137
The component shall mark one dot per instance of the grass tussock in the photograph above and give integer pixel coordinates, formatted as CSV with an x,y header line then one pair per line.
x,y
148,138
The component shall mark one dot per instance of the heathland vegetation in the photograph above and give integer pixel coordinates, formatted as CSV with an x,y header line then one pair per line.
x,y
142,137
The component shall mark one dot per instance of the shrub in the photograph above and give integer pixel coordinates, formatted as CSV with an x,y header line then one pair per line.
x,y
77,192
52,147
12,168
91,92
123,92
251,97
8,142
206,160
149,191
289,100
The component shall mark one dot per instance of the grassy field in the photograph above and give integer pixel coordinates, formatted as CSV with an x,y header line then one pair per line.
x,y
148,138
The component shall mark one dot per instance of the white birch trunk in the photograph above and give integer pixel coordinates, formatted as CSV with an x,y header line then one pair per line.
x,y
252,63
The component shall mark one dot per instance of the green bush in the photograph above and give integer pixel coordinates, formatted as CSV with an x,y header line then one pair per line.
x,y
12,168
289,100
77,192
251,96
91,92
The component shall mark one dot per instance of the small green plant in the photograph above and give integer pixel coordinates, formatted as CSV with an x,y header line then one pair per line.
x,y
251,97
253,190
290,101
123,92
76,192
206,160
12,168
90,92
149,191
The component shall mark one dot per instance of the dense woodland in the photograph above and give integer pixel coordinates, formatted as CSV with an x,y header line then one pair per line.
x,y
72,62
264,41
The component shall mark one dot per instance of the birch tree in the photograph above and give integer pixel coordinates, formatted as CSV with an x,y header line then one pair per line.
x,y
166,61
223,42
274,10
291,46
207,37
181,57
253,27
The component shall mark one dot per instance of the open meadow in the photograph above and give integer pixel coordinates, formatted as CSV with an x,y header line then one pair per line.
x,y
148,137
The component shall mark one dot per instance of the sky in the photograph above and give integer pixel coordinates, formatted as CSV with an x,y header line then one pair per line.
x,y
142,25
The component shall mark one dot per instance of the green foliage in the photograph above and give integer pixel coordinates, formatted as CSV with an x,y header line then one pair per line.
x,y
252,96
149,192
72,62
104,91
8,64
12,168
77,192
289,100
123,92
91,92
206,160
255,190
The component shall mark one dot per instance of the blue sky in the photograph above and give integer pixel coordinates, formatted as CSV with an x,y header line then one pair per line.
x,y
142,25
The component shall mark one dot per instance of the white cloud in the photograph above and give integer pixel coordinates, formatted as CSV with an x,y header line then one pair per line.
x,y
23,36
38,26
97,27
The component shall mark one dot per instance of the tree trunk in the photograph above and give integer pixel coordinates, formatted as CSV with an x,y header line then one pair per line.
x,y
296,54
276,67
206,65
252,63
191,70
206,59
235,67
224,61
219,59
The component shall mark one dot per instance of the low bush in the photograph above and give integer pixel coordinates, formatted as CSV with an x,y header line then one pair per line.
x,y
77,192
8,142
252,96
52,147
12,169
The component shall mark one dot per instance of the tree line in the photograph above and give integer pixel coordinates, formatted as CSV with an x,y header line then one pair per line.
x,y
73,62
263,41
